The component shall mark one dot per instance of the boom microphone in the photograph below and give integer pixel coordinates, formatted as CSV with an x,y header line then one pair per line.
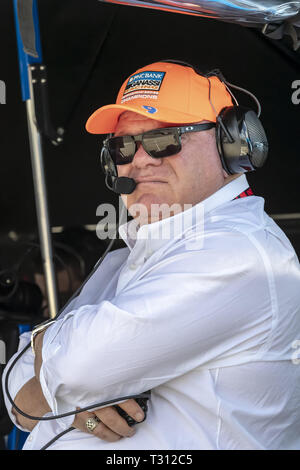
x,y
123,185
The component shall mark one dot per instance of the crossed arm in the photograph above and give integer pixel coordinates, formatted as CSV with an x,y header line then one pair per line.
x,y
31,400
145,343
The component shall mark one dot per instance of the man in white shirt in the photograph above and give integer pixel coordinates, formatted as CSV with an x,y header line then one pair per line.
x,y
202,306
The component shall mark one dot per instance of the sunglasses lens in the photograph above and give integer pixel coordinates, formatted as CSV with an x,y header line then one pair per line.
x,y
159,143
162,143
121,149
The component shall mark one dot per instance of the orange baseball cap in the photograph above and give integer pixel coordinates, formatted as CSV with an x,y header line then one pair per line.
x,y
167,92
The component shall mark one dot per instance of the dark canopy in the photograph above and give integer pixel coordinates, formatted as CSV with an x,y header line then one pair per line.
x,y
90,48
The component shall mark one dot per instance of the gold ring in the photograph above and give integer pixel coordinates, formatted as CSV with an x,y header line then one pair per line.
x,y
91,423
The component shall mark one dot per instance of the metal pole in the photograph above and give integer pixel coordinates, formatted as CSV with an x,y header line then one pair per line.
x,y
30,55
40,191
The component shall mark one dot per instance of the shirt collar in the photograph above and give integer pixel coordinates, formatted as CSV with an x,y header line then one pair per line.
x,y
158,233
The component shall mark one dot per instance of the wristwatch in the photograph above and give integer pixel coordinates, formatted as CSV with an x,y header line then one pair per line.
x,y
37,329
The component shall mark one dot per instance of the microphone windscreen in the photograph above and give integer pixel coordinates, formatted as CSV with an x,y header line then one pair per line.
x,y
124,185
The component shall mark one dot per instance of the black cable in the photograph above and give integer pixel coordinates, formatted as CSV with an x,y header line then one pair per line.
x,y
87,408
62,415
219,119
33,245
77,292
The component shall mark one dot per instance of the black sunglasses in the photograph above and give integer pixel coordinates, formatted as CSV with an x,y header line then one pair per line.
x,y
158,143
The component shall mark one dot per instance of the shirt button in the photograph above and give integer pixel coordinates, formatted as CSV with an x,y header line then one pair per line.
x,y
29,438
133,266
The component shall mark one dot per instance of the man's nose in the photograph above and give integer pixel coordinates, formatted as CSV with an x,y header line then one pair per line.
x,y
142,159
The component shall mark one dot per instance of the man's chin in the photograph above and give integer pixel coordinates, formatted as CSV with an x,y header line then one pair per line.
x,y
150,208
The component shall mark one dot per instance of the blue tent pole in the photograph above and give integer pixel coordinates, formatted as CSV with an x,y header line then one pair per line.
x,y
30,58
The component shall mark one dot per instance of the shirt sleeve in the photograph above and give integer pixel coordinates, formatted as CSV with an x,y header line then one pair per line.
x,y
22,372
184,312
19,376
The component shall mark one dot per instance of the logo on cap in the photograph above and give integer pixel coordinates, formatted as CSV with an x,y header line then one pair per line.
x,y
150,109
144,85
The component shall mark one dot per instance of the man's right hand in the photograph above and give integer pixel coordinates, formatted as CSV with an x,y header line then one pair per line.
x,y
111,426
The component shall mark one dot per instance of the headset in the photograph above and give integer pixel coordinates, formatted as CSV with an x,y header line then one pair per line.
x,y
240,137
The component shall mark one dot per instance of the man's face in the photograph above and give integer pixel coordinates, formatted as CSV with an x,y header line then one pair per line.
x,y
185,178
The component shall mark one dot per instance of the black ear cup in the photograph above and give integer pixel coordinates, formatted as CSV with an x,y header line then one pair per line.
x,y
240,136
247,149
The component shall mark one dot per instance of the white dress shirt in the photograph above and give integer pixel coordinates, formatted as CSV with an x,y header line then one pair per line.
x,y
208,318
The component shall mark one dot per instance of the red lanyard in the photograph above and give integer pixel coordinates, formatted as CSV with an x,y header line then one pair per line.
x,y
247,192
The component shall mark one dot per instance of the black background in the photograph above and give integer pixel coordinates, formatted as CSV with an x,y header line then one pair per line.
x,y
90,48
